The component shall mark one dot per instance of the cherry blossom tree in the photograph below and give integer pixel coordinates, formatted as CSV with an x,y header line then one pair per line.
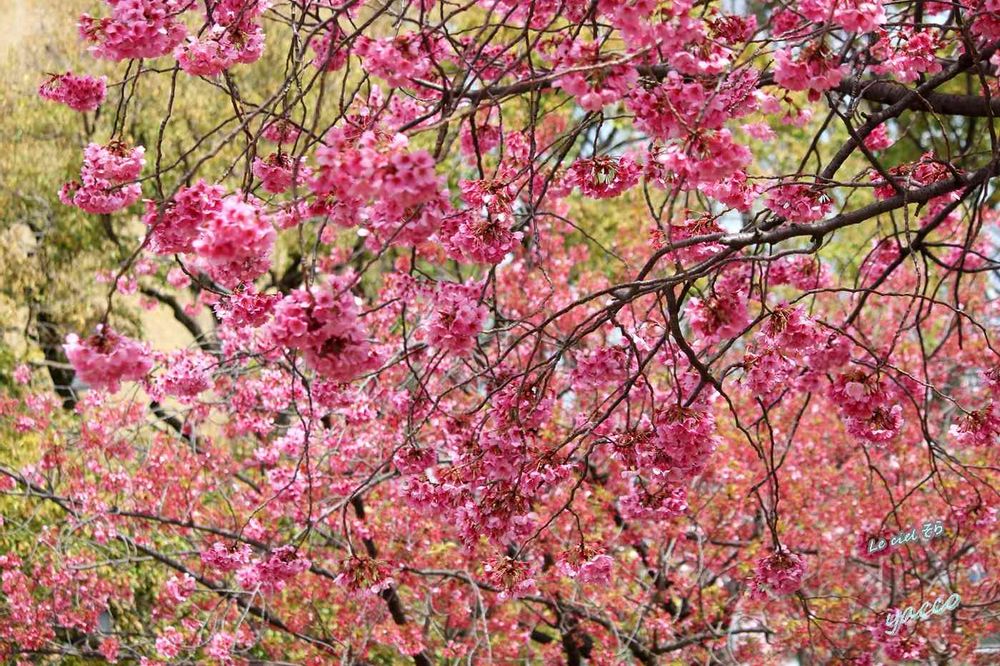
x,y
521,331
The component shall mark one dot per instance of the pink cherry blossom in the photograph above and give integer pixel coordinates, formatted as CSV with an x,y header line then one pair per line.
x,y
80,93
328,57
853,15
814,70
282,131
977,428
798,203
878,139
106,359
779,573
595,89
323,322
106,179
175,229
135,29
22,374
279,171
603,177
457,317
235,242
399,59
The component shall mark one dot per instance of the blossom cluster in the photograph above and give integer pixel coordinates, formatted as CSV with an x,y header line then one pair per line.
x,y
107,358
80,93
107,179
322,321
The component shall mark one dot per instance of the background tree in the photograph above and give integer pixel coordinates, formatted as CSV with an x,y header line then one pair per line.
x,y
536,331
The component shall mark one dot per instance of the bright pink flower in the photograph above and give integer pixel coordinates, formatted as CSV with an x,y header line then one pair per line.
x,y
278,172
855,392
802,271
670,110
399,59
106,179
878,139
599,367
365,574
814,70
510,575
487,137
269,574
639,504
884,254
226,558
790,328
786,22
594,571
220,47
881,424
80,93
914,54
767,371
221,646
135,29
778,573
869,409
925,171
800,204
593,88
179,588
406,227
481,237
176,229
482,232
281,131
109,649
991,377
235,12
177,278
330,58
246,307
684,439
235,242
833,353
980,427
734,191
706,158
22,374
680,234
169,643
860,16
371,165
413,460
205,56
322,321
186,374
457,317
719,317
107,358
760,131
603,177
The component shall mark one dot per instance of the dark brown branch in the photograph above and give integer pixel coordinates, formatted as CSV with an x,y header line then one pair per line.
x,y
880,92
891,92
50,341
